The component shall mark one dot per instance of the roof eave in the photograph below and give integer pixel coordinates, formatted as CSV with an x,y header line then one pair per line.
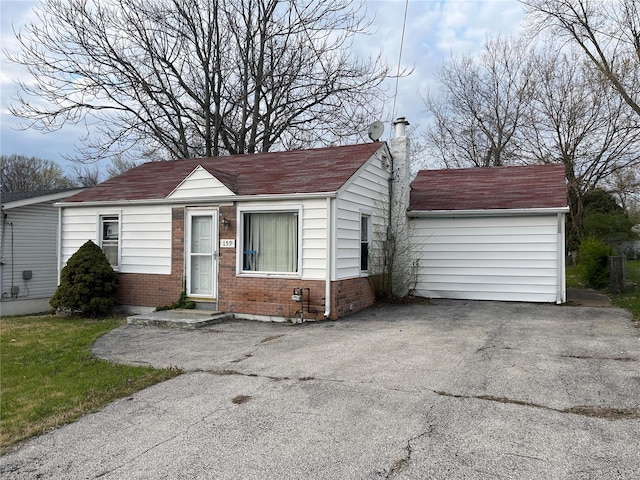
x,y
202,200
502,212
41,199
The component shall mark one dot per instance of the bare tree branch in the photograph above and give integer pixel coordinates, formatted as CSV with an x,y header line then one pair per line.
x,y
481,106
188,78
608,33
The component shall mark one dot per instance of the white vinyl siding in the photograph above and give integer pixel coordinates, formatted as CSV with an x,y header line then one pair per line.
x,y
314,239
510,258
29,243
200,184
368,191
145,235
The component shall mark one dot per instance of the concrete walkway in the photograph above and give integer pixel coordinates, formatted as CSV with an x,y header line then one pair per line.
x,y
455,389
587,297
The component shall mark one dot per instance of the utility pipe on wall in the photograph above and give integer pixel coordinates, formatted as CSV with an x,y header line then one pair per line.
x,y
2,262
561,291
329,256
59,245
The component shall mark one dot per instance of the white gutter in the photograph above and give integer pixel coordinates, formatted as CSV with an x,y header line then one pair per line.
x,y
2,242
329,264
44,198
561,293
59,245
201,200
487,212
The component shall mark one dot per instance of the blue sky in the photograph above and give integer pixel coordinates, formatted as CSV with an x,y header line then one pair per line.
x,y
434,30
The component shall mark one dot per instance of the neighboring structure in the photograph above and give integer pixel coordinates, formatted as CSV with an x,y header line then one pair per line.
x,y
28,250
491,233
269,236
290,235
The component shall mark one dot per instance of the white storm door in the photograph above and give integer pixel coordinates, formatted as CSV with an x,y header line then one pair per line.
x,y
202,253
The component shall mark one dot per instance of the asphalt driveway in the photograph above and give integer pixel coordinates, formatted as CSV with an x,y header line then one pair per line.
x,y
455,389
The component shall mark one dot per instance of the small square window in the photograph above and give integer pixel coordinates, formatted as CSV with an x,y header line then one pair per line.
x,y
110,238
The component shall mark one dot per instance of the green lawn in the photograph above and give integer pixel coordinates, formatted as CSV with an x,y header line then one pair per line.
x,y
48,376
631,298
573,277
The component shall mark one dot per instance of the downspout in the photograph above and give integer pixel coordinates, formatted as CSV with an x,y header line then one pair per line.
x,y
561,293
59,245
4,228
329,264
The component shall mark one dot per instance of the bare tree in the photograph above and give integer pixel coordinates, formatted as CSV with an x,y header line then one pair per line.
x,y
580,121
607,32
29,174
188,78
625,185
86,175
480,106
119,165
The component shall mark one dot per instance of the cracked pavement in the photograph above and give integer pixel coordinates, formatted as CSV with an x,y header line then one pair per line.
x,y
456,389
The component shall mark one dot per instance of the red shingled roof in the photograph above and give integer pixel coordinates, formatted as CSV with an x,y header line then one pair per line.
x,y
299,171
535,186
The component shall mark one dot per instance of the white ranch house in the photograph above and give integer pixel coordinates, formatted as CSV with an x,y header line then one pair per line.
x,y
295,234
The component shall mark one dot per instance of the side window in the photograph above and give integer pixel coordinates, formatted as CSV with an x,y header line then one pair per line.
x,y
365,221
110,238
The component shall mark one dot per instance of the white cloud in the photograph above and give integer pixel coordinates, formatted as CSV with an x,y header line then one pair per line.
x,y
434,30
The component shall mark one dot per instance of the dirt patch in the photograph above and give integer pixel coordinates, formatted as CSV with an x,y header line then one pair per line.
x,y
224,373
609,413
587,297
408,300
588,357
272,337
240,399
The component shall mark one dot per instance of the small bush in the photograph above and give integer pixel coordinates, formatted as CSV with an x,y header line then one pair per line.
x,y
182,302
88,284
592,263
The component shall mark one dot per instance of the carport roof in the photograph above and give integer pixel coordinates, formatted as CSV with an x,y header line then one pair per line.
x,y
299,171
492,188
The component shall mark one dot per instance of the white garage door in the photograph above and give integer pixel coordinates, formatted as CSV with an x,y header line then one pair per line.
x,y
510,258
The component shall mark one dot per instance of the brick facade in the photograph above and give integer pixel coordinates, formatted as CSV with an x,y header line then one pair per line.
x,y
264,297
350,296
148,290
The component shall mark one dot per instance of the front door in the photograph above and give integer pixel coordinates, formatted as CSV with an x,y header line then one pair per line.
x,y
202,253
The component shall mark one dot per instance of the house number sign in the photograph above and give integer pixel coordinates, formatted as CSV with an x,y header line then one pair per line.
x,y
227,243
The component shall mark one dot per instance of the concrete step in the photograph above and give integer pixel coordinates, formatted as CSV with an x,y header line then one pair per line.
x,y
185,319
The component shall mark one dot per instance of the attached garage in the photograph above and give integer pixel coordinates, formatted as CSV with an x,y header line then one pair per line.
x,y
490,233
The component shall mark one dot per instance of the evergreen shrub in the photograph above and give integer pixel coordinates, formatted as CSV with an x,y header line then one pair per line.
x,y
88,284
